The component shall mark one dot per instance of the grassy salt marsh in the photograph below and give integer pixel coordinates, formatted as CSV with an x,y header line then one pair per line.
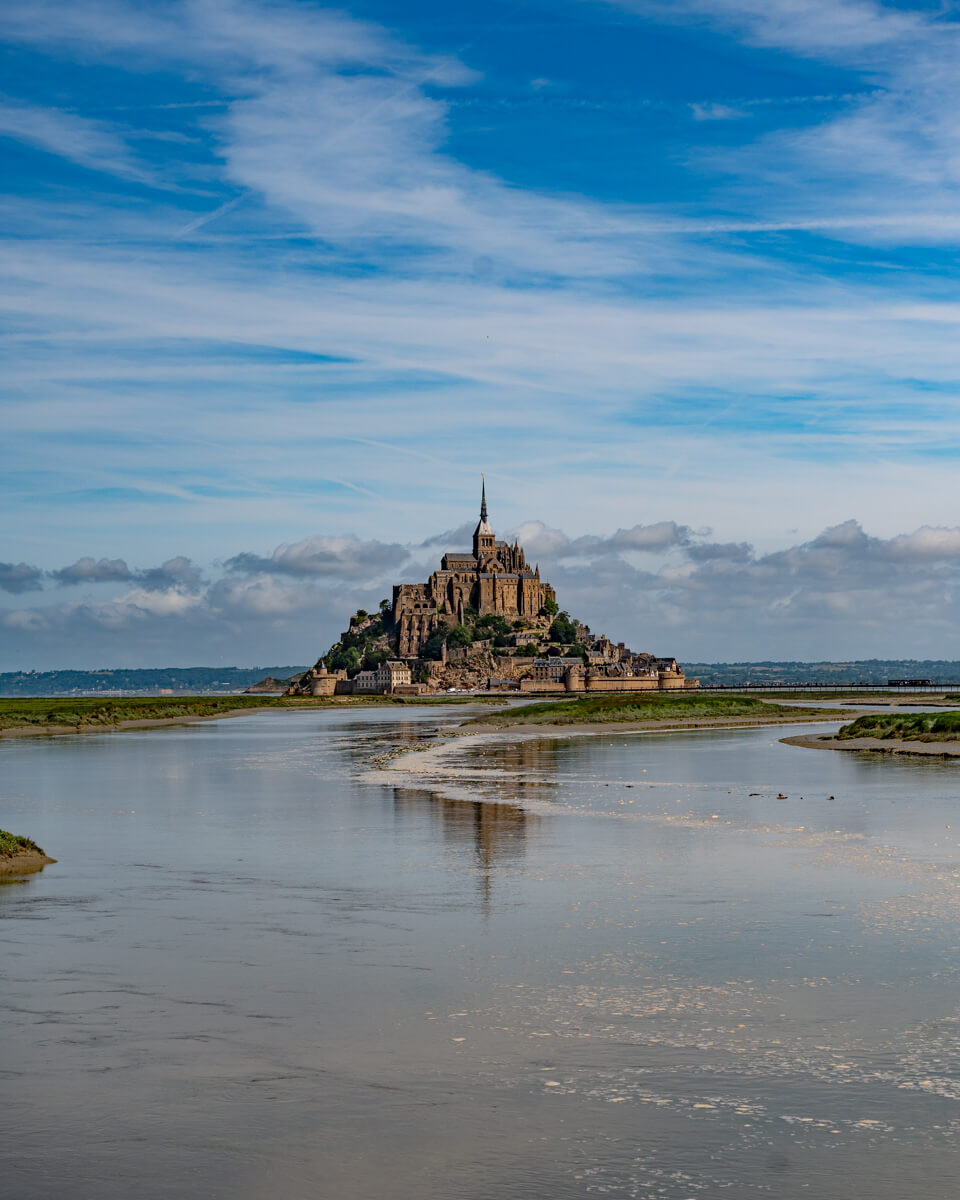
x,y
644,707
80,711
63,713
921,727
11,844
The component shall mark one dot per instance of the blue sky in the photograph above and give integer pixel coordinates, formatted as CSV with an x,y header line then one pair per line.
x,y
281,280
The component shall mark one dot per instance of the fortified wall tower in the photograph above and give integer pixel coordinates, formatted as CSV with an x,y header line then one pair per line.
x,y
495,578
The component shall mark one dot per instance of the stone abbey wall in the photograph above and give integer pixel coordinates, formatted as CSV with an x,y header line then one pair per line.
x,y
576,680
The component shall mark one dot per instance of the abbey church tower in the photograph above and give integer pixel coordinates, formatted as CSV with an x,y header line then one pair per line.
x,y
494,579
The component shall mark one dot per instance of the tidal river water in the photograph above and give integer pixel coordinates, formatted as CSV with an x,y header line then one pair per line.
x,y
676,966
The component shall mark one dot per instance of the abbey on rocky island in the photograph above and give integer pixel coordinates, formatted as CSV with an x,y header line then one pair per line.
x,y
493,580
486,620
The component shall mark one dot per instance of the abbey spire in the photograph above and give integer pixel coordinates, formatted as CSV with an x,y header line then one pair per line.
x,y
484,539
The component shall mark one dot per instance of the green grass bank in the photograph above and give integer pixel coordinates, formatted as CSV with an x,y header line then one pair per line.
x,y
11,845
20,856
60,713
912,727
621,709
78,712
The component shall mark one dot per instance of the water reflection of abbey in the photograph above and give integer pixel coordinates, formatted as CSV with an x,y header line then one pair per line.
x,y
495,828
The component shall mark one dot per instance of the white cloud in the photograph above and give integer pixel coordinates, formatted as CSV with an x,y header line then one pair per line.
x,y
25,620
882,167
333,124
141,602
716,112
82,140
823,28
344,557
178,573
19,577
89,570
260,597
538,539
928,544
228,35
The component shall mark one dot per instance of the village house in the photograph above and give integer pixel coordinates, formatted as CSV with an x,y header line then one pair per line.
x,y
382,681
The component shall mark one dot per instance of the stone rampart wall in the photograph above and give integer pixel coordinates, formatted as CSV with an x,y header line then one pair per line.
x,y
619,683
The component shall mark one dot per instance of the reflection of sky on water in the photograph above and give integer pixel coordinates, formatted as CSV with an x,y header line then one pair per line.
x,y
657,966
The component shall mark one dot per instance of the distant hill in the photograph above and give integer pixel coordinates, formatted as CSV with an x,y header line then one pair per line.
x,y
869,670
136,681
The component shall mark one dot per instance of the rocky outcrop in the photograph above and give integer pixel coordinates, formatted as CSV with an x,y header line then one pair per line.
x,y
268,687
474,670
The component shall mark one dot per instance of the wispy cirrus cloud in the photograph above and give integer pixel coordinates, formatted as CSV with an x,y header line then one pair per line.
x,y
86,141
715,111
821,28
882,164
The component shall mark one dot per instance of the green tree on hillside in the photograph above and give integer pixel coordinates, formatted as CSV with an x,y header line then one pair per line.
x,y
432,648
563,629
374,658
496,627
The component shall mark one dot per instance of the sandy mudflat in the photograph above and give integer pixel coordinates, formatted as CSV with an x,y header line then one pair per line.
x,y
434,759
25,863
664,726
877,745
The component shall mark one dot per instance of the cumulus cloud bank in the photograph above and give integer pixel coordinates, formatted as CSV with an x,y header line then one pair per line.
x,y
345,557
177,572
19,577
91,570
661,587
539,539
